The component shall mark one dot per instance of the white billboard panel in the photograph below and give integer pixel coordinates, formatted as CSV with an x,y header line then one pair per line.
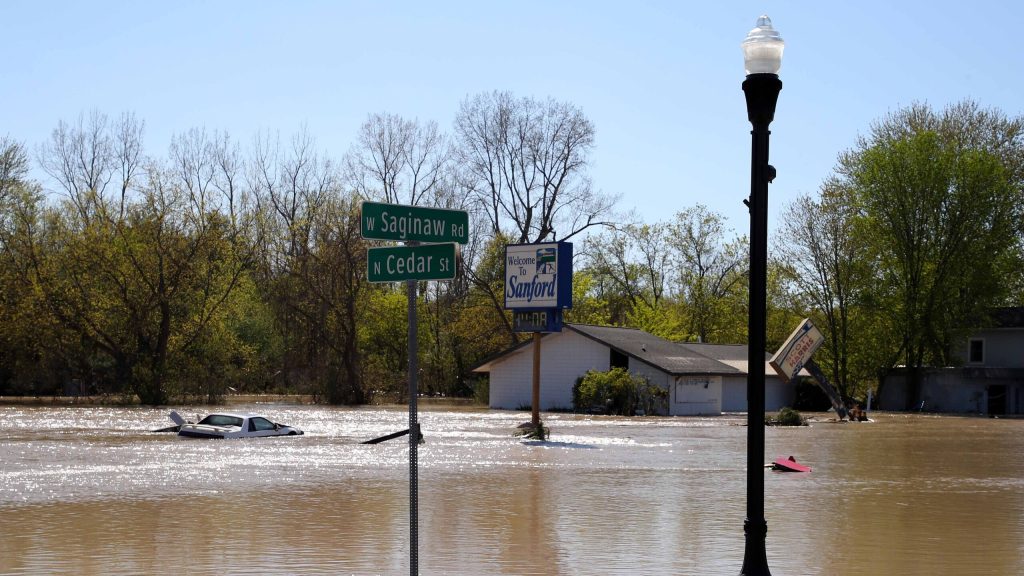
x,y
797,350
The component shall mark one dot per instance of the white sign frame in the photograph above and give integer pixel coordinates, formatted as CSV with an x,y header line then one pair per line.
x,y
797,350
538,276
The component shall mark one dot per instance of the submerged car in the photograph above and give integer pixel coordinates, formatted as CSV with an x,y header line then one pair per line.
x,y
227,425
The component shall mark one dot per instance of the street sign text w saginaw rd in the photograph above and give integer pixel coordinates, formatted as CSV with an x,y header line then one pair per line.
x,y
424,262
379,221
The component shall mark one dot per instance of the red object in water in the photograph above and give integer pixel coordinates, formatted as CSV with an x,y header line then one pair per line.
x,y
789,465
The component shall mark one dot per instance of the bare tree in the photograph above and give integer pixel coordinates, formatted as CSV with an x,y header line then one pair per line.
x,y
314,266
290,188
525,163
228,176
193,165
126,149
84,158
400,161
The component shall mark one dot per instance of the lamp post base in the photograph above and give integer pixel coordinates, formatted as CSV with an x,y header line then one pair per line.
x,y
755,559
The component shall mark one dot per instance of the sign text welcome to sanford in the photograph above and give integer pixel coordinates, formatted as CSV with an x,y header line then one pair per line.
x,y
538,276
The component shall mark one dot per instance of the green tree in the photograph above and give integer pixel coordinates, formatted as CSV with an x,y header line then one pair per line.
x,y
827,263
587,306
665,321
293,187
631,266
384,339
137,260
939,196
30,343
407,162
711,272
335,278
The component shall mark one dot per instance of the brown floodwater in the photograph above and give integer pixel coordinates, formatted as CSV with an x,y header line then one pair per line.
x,y
86,490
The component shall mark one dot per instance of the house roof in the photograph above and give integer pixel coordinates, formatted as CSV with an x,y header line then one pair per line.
x,y
674,358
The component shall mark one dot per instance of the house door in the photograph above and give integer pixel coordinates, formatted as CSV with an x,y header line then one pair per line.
x,y
997,399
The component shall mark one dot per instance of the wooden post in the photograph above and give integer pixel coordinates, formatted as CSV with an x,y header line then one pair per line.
x,y
535,416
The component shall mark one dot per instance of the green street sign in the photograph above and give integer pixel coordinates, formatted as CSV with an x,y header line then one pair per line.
x,y
413,223
398,263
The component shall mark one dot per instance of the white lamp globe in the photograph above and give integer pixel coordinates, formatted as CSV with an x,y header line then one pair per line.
x,y
762,49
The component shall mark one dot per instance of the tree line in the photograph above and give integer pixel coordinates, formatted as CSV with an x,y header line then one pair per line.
x,y
220,267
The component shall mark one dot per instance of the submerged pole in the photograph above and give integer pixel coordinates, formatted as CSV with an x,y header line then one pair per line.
x,y
414,436
535,414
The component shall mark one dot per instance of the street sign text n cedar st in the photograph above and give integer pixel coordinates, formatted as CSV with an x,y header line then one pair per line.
x,y
424,262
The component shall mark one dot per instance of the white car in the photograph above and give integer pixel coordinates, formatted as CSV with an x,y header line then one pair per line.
x,y
227,425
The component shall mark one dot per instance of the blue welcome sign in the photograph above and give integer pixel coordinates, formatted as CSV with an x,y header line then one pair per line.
x,y
538,276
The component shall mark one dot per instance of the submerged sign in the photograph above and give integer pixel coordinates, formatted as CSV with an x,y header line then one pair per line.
x,y
538,276
797,350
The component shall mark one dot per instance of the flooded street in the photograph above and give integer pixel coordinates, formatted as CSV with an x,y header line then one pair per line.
x,y
89,491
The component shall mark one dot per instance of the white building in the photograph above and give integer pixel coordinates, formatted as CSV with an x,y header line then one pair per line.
x,y
705,379
989,379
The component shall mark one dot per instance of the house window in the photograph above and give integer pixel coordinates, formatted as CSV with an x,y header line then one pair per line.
x,y
618,360
976,351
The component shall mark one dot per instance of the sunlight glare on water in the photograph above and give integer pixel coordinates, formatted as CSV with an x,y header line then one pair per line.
x,y
89,490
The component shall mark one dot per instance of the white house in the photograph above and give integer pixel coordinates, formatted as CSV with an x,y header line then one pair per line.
x,y
989,379
701,378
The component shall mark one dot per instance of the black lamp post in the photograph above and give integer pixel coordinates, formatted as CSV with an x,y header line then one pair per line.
x,y
762,55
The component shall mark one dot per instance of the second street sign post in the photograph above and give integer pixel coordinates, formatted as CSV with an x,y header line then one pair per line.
x,y
436,259
424,262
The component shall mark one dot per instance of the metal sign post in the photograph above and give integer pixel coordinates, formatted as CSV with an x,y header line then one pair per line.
x,y
414,436
440,229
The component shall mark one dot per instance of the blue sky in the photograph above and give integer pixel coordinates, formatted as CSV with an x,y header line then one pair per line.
x,y
660,80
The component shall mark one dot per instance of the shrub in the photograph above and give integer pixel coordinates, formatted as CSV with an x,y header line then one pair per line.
x,y
617,392
788,417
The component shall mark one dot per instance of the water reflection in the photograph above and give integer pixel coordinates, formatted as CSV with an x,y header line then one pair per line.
x,y
87,491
